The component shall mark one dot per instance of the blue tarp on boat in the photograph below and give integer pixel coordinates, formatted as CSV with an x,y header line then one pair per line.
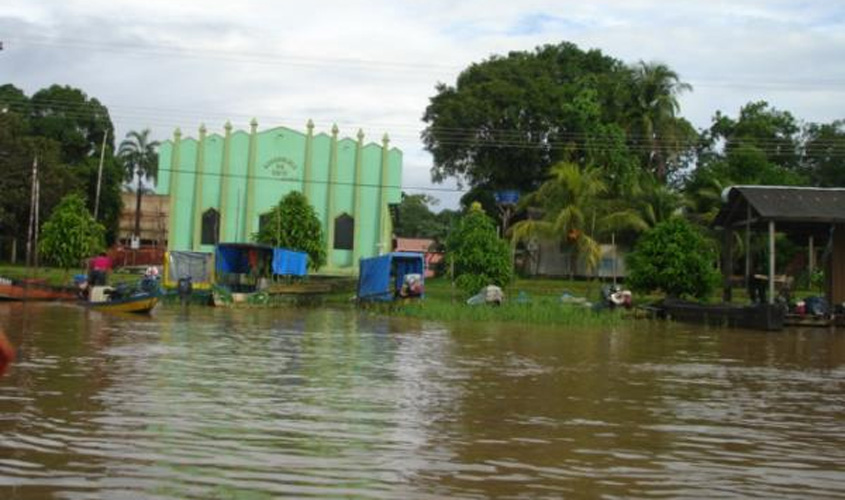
x,y
240,258
289,262
380,278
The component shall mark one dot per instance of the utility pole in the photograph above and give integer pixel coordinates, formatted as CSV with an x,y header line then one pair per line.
x,y
100,174
37,219
31,212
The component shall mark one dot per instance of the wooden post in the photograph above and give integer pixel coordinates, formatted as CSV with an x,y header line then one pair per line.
x,y
811,258
771,262
727,261
747,246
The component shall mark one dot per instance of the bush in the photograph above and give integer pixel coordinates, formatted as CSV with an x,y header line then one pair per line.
x,y
71,234
476,255
294,224
673,257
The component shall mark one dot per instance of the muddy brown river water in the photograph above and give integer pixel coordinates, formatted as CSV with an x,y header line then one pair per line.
x,y
217,404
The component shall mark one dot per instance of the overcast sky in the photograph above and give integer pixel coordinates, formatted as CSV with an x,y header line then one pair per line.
x,y
373,65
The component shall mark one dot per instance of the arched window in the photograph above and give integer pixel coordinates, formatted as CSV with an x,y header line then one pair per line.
x,y
210,227
344,232
263,220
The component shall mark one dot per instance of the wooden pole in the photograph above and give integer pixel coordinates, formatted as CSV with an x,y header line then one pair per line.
x,y
100,175
747,246
613,248
811,258
771,262
31,212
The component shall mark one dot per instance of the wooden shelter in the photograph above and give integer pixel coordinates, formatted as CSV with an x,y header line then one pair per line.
x,y
813,215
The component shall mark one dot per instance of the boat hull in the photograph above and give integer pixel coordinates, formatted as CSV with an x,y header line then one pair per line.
x,y
34,291
139,305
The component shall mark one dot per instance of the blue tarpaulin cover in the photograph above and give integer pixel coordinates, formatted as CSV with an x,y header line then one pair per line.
x,y
289,262
234,258
374,274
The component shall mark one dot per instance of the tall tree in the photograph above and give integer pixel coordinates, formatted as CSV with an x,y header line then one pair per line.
x,y
656,130
140,160
509,118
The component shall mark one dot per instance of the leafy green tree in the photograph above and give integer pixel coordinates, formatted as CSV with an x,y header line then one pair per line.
x,y
68,116
18,149
140,161
675,258
415,218
824,152
294,224
65,128
475,254
509,118
71,234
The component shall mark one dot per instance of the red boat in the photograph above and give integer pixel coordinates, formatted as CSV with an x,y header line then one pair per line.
x,y
34,290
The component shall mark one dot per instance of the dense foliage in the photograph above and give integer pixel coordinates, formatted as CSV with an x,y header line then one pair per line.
x,y
508,119
294,224
673,257
416,220
475,254
64,129
71,234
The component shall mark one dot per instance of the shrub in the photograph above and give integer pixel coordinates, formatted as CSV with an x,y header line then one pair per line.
x,y
71,234
475,254
294,224
673,257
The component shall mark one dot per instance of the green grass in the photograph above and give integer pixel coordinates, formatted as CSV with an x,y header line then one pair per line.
x,y
55,276
542,304
542,311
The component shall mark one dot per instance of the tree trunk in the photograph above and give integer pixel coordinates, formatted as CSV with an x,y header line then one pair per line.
x,y
138,210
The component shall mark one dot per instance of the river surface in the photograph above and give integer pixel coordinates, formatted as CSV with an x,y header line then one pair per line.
x,y
207,403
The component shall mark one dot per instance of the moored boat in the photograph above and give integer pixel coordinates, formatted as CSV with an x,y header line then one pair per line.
x,y
23,290
129,299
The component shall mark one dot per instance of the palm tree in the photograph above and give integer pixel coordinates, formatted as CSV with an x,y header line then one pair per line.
x,y
652,120
569,201
140,161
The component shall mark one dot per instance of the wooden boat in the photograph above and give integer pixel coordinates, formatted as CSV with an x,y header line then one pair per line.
x,y
20,290
112,299
759,316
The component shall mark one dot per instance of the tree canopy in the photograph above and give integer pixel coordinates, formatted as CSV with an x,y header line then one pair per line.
x,y
508,119
64,128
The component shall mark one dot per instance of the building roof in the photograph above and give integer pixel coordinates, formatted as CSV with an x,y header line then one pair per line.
x,y
413,244
797,207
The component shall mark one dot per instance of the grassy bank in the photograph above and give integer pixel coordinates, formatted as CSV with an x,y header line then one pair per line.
x,y
534,301
54,276
544,311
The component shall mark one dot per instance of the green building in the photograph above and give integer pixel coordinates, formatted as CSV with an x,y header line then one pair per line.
x,y
220,185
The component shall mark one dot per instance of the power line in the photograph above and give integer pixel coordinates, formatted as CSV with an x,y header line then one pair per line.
x,y
495,138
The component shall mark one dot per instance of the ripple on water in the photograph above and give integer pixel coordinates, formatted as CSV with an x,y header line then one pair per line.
x,y
199,403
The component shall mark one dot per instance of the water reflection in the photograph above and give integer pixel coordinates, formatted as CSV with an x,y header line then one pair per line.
x,y
210,403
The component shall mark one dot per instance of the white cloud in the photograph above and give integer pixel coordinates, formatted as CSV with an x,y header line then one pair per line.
x,y
374,64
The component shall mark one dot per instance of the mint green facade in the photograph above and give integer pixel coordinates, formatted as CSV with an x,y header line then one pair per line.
x,y
243,175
